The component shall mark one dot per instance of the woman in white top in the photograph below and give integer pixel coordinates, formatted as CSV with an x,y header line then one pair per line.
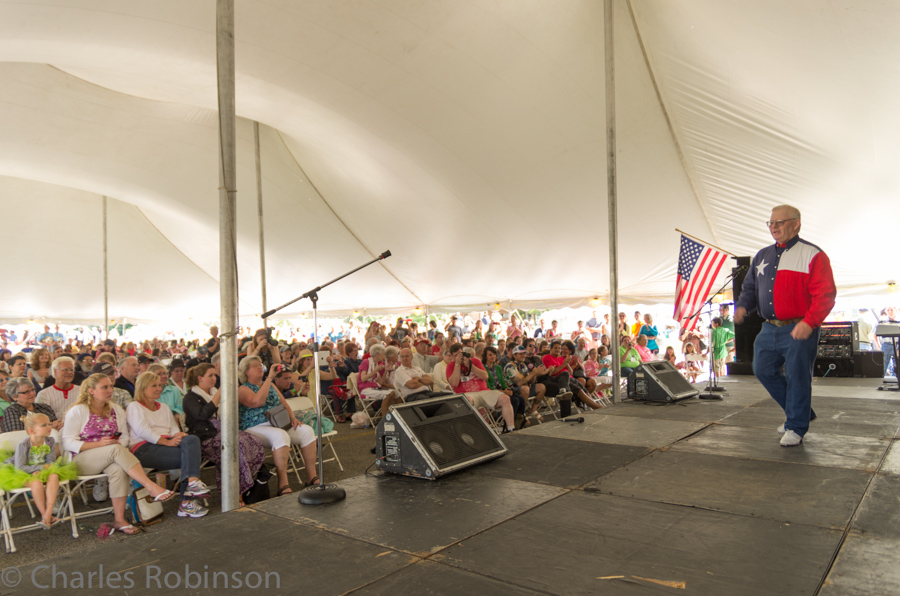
x,y
439,374
158,443
96,432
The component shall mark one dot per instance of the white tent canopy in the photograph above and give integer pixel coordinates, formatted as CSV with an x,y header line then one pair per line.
x,y
467,137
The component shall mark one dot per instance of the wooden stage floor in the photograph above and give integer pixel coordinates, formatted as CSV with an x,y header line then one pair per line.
x,y
688,498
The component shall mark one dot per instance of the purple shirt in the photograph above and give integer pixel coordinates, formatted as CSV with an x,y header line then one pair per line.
x,y
98,428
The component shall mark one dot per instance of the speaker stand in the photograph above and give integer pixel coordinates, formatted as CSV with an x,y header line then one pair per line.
x,y
322,494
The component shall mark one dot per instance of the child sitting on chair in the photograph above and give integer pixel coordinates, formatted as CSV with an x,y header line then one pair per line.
x,y
34,464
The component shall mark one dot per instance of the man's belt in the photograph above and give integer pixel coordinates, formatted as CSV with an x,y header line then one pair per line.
x,y
782,323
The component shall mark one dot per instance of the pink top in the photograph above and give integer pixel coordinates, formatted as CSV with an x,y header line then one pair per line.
x,y
364,367
591,368
646,355
98,428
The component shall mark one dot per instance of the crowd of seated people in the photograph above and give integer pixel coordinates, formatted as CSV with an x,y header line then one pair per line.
x,y
169,388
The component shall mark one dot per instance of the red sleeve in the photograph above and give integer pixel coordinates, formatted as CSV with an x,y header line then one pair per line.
x,y
821,290
477,363
450,368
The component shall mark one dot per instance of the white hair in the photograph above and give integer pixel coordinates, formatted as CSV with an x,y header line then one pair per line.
x,y
61,360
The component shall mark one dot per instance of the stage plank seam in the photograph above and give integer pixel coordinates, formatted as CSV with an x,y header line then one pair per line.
x,y
853,517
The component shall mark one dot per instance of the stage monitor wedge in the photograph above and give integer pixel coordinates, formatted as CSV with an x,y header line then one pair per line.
x,y
432,438
659,381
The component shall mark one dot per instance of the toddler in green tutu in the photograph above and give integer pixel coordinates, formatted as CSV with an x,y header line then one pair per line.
x,y
34,464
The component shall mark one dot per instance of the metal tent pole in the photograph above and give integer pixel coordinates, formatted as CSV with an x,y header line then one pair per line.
x,y
611,197
228,283
259,209
105,273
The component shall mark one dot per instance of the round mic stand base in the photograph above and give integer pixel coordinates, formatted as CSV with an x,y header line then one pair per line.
x,y
709,395
322,494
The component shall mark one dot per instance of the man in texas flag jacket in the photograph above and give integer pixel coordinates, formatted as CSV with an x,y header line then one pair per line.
x,y
791,285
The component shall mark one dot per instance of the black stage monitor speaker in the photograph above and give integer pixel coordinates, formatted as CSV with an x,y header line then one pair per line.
x,y
659,381
431,438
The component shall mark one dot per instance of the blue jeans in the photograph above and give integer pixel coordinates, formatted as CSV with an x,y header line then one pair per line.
x,y
162,457
792,387
887,347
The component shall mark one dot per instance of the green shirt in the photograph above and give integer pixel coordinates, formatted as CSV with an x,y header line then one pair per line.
x,y
633,360
720,337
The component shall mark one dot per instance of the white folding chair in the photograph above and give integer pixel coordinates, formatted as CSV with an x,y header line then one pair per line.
x,y
688,358
8,499
301,405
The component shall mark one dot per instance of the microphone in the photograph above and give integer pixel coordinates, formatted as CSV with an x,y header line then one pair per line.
x,y
385,254
579,419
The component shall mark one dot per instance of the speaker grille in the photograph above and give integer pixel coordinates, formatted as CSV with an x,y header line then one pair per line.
x,y
450,442
675,382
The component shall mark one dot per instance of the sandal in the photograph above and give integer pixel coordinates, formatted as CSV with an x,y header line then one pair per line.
x,y
44,525
127,529
341,419
164,496
314,481
284,490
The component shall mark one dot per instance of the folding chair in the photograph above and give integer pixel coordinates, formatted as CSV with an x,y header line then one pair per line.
x,y
367,405
301,405
8,499
688,358
78,488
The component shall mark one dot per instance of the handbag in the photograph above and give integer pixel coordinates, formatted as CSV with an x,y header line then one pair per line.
x,y
260,489
144,510
279,417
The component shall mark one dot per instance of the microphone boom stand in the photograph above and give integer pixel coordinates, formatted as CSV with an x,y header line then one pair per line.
x,y
712,389
322,493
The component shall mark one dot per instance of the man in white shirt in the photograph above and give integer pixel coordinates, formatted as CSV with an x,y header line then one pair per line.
x,y
412,382
62,394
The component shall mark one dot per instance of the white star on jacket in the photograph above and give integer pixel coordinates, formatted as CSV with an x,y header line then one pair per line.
x,y
761,268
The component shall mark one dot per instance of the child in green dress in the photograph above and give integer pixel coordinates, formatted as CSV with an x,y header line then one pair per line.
x,y
33,465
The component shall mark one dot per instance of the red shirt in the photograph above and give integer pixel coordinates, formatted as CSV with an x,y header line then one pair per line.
x,y
467,383
551,361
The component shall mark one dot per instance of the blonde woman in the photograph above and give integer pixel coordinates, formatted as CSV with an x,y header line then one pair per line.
x,y
256,395
158,443
96,434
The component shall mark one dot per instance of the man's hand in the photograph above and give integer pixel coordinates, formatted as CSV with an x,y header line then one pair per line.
x,y
800,331
739,314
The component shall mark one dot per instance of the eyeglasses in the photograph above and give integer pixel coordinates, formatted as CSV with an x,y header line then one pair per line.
x,y
777,223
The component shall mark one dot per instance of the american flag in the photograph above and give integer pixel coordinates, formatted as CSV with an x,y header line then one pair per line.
x,y
698,268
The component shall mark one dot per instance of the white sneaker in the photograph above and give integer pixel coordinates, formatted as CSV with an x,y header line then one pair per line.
x,y
781,429
197,489
191,508
101,490
791,439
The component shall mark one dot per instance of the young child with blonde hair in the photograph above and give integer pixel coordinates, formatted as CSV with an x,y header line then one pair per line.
x,y
34,465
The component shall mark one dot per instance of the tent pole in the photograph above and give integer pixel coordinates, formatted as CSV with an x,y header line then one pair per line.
x,y
228,289
611,193
105,275
259,208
